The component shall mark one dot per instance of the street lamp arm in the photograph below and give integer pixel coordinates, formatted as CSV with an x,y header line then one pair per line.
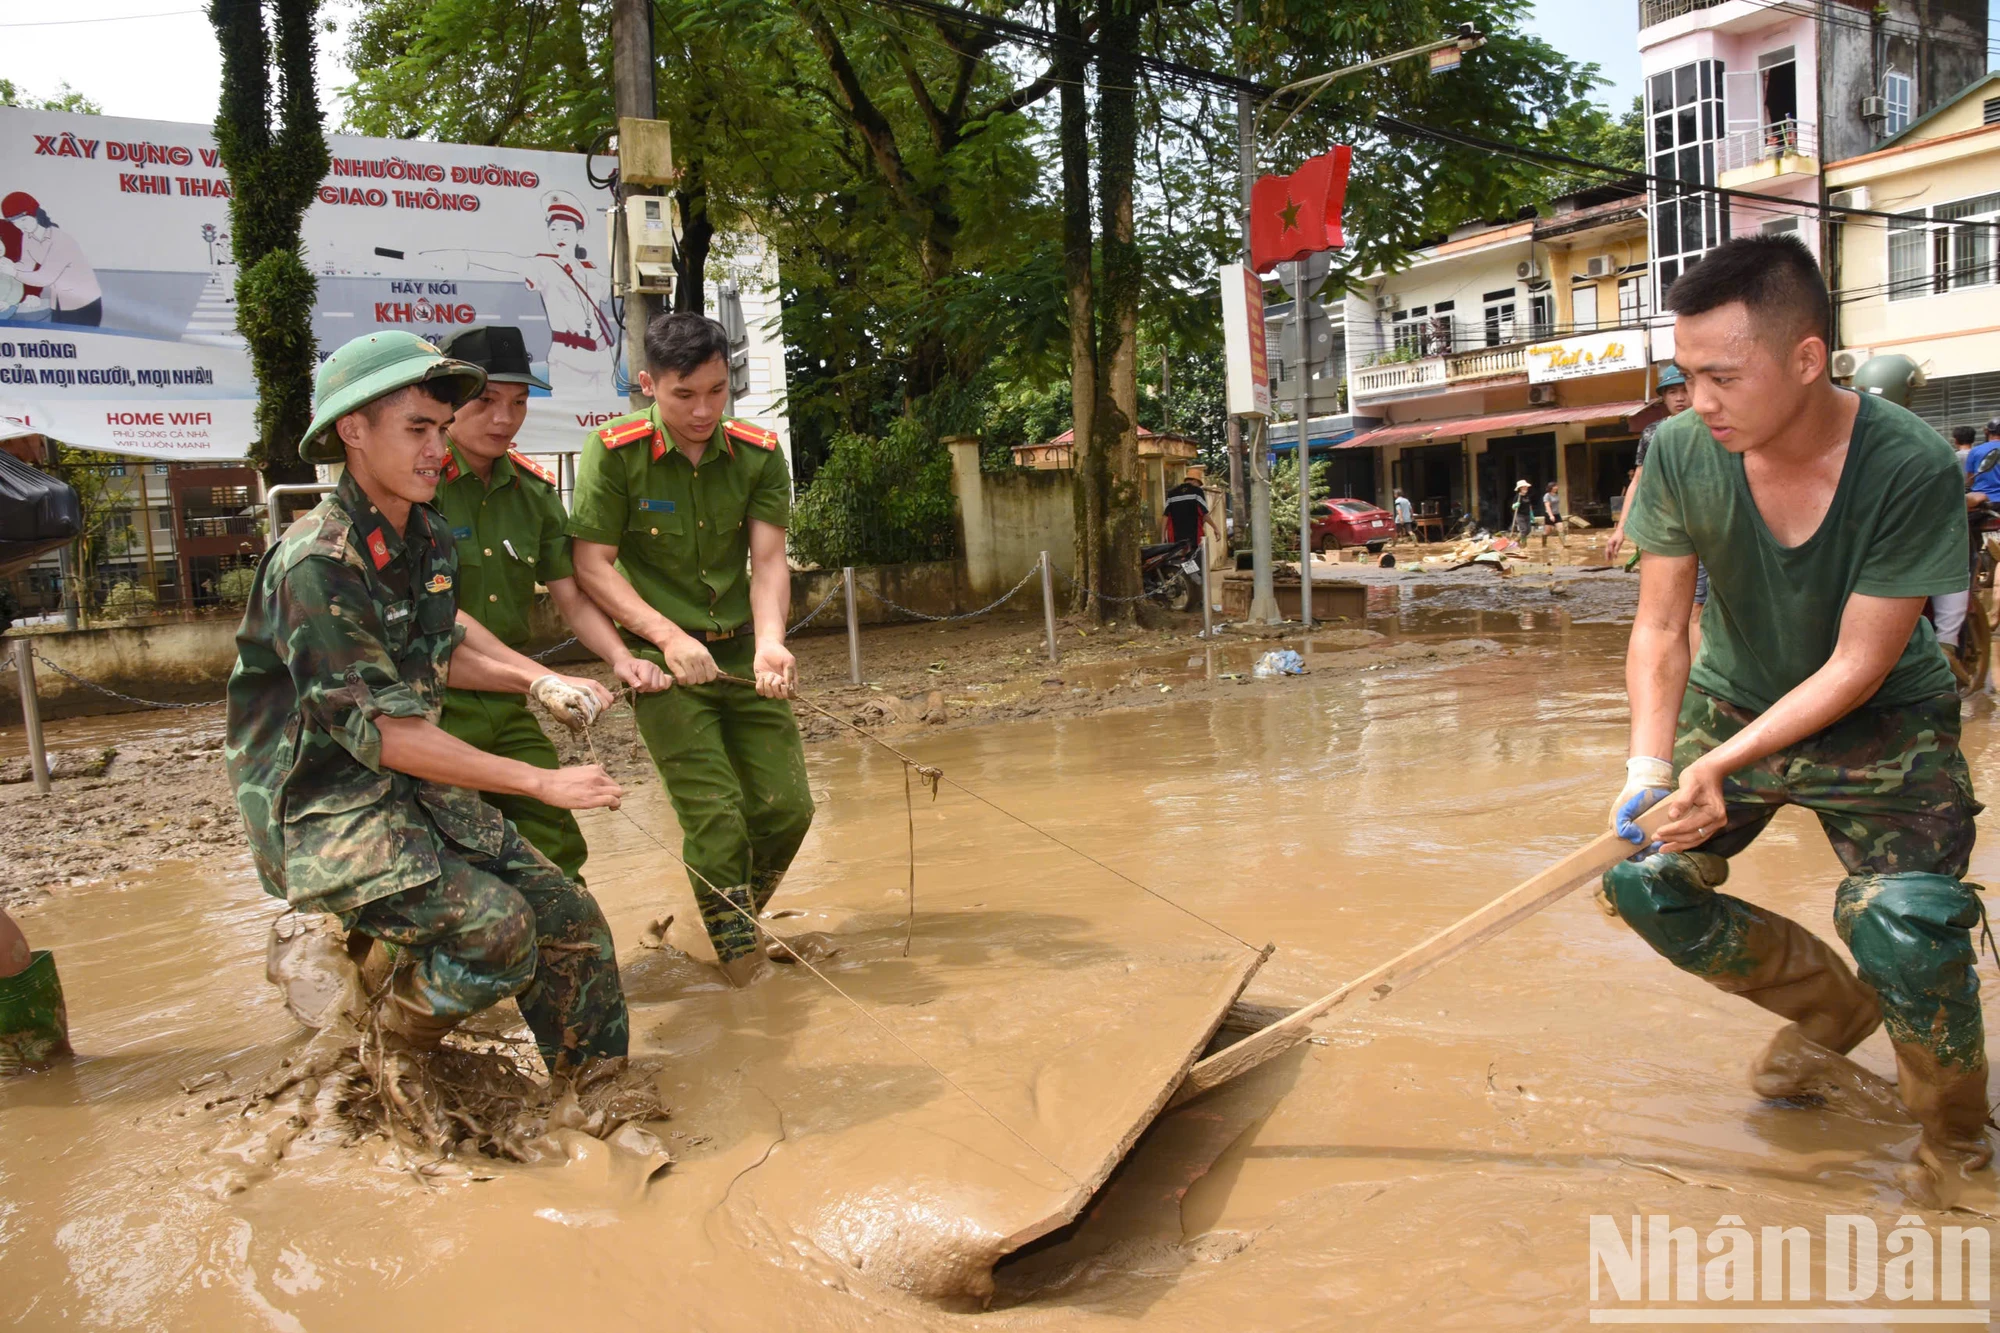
x,y
1467,38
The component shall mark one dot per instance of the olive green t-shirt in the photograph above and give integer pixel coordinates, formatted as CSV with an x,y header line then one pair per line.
x,y
681,530
1896,528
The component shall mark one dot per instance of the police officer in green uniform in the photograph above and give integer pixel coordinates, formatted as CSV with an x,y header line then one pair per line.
x,y
355,802
507,519
679,518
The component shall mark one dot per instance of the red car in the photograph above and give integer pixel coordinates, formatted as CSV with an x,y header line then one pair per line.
x,y
1349,522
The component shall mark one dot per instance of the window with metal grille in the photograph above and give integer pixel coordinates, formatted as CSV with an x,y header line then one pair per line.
x,y
1946,248
1631,300
1992,112
1961,400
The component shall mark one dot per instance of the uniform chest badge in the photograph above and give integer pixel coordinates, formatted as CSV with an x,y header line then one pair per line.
x,y
378,548
438,583
657,506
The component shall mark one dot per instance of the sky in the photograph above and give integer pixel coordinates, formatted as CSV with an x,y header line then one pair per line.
x,y
156,59
1604,32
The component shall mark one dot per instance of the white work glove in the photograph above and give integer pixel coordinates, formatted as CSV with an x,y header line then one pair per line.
x,y
574,708
1648,781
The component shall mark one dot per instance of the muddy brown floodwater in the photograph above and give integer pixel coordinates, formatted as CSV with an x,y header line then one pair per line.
x,y
1434,1164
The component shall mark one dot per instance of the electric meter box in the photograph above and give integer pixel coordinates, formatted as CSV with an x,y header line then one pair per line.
x,y
652,230
645,152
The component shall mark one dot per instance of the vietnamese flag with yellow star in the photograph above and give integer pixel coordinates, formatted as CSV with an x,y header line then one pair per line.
x,y
1297,215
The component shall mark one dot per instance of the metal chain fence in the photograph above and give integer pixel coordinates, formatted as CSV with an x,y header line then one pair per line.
x,y
116,694
963,615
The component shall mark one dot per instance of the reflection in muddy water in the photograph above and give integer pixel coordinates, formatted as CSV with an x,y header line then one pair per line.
x,y
1435,1163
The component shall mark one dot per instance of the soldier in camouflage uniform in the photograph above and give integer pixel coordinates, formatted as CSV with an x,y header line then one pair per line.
x,y
355,802
507,521
692,508
1825,519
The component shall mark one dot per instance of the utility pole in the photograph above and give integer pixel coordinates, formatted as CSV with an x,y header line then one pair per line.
x,y
1263,606
632,95
1251,471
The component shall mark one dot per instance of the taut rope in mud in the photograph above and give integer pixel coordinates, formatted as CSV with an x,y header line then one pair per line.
x,y
834,986
934,776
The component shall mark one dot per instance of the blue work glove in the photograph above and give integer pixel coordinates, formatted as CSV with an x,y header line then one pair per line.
x,y
1648,781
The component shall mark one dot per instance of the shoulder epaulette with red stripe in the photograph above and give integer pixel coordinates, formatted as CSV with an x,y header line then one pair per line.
x,y
529,465
619,434
750,434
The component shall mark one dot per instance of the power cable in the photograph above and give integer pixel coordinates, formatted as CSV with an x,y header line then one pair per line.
x,y
1384,123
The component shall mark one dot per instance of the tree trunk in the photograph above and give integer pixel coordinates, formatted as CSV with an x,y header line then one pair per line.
x,y
1088,478
273,175
691,258
1116,423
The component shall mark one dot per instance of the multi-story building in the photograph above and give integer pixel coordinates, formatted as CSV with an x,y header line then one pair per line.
x,y
1754,95
1925,283
1505,352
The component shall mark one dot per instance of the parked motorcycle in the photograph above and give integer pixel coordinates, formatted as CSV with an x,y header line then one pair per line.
x,y
1170,573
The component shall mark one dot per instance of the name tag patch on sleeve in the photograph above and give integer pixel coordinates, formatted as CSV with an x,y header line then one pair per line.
x,y
657,506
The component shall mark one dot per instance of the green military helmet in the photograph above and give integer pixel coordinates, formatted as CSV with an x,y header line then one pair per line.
x,y
1891,376
374,366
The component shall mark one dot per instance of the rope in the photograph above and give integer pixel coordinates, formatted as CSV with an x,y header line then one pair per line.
x,y
935,775
832,985
547,653
115,694
963,615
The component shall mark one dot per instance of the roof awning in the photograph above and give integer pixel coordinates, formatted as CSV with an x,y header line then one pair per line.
x,y
1453,428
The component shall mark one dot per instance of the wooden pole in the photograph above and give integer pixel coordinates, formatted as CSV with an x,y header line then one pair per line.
x,y
633,94
1497,917
1049,609
853,626
31,714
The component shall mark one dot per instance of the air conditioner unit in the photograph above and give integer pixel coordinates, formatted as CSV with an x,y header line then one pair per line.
x,y
1854,198
1541,395
1385,304
1848,360
1874,108
1527,270
1599,266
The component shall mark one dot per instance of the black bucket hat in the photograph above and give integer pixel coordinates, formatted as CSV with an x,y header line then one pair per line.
x,y
497,349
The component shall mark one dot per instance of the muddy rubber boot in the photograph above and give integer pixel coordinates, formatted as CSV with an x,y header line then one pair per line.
x,y
1950,1103
34,1024
1799,976
409,1038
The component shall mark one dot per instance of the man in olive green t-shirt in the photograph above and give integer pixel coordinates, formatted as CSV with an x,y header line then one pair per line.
x,y
1825,519
679,518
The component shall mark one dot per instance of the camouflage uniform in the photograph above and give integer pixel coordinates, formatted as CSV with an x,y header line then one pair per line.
x,y
730,758
509,533
1891,790
347,622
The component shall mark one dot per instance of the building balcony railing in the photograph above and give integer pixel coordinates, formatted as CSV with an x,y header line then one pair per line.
x,y
1659,11
1780,139
233,525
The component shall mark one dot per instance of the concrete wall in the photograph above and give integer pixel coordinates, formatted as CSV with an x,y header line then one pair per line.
x,y
175,662
1007,519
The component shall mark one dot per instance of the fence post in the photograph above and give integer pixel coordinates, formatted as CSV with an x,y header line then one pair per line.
x,y
1207,601
1049,608
853,626
31,714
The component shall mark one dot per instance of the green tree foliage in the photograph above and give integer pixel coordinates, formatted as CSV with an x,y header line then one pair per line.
x,y
233,587
102,504
66,98
127,599
876,501
1285,501
275,152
